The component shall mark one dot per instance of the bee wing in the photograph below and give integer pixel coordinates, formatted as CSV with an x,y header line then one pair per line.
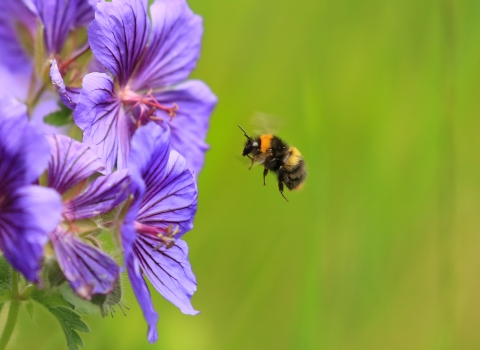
x,y
264,123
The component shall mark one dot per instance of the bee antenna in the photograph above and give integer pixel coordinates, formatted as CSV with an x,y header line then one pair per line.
x,y
244,132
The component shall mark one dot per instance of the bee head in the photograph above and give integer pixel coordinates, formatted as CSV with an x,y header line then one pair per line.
x,y
249,145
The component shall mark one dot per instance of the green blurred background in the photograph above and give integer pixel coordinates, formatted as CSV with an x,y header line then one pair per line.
x,y
381,250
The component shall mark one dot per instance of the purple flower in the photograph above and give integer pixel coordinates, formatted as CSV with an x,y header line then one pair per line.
x,y
149,62
59,17
88,270
27,212
162,210
17,24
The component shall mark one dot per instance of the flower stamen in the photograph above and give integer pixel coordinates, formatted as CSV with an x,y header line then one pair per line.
x,y
165,235
147,104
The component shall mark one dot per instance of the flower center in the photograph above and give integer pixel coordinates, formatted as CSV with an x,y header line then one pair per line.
x,y
146,106
166,236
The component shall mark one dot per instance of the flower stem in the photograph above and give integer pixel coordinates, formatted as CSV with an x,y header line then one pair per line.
x,y
12,313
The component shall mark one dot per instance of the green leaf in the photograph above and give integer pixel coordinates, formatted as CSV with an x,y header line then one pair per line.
x,y
50,299
64,312
71,323
59,118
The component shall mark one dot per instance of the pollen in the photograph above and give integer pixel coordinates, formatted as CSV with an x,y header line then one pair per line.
x,y
167,238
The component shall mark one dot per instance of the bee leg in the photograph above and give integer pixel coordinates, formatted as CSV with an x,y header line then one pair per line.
x,y
265,172
253,161
280,188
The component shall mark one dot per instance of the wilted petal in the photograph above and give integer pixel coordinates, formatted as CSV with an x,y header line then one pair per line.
x,y
24,151
118,36
174,46
27,215
102,195
105,127
88,270
189,128
70,163
168,269
69,96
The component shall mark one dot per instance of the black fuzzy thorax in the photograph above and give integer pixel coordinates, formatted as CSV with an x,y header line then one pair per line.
x,y
278,152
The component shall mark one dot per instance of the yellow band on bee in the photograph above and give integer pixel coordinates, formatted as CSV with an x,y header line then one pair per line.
x,y
294,157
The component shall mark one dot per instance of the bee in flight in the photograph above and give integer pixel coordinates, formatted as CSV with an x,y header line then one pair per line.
x,y
275,155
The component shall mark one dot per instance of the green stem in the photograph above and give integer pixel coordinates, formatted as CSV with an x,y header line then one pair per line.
x,y
12,313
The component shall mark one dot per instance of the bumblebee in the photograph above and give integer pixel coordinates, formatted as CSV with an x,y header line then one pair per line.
x,y
278,157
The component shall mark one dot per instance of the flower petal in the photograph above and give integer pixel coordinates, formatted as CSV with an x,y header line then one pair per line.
x,y
168,269
24,151
136,279
27,215
170,197
105,127
174,47
85,12
69,96
118,36
16,19
59,18
70,163
150,144
88,270
189,128
10,108
102,195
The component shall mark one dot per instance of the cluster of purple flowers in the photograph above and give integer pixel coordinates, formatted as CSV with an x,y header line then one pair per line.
x,y
122,83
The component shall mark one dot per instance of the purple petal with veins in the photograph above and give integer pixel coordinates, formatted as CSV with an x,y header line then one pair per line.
x,y
143,297
174,46
165,195
58,17
22,162
16,18
101,195
171,195
70,163
189,128
168,269
27,212
88,270
106,128
118,36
